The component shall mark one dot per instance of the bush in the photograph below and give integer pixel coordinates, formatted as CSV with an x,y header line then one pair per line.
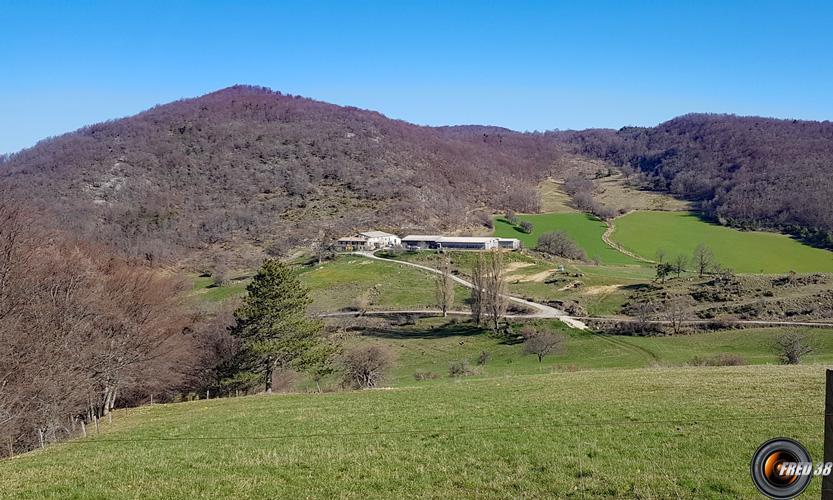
x,y
421,375
460,369
723,359
791,346
484,357
366,366
526,226
558,243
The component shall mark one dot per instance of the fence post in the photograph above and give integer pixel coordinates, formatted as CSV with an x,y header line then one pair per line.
x,y
827,481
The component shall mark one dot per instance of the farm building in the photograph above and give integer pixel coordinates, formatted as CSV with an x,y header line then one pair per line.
x,y
420,241
352,243
435,242
369,240
467,243
381,239
509,243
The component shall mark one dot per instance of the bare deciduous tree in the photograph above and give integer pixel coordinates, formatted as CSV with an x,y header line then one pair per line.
x,y
680,262
703,259
444,284
543,343
478,278
791,346
674,312
494,300
560,244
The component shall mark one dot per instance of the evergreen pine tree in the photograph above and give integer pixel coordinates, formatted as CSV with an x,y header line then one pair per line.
x,y
273,327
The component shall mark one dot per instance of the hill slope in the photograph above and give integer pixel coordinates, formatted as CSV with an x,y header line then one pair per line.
x,y
248,165
749,172
649,433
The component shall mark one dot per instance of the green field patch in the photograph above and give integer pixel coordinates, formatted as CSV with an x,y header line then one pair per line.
x,y
644,233
584,229
583,434
336,284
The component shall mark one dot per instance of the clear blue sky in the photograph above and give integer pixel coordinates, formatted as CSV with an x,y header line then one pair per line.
x,y
523,65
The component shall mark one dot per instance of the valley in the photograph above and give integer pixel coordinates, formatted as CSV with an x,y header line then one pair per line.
x,y
661,333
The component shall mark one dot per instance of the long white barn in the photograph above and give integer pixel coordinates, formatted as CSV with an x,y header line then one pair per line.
x,y
374,240
435,242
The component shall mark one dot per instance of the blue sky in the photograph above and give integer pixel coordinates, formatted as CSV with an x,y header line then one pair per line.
x,y
523,65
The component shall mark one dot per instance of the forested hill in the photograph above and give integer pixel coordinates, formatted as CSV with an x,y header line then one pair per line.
x,y
747,171
246,170
246,167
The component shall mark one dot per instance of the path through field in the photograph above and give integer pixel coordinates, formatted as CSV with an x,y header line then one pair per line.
x,y
543,311
607,238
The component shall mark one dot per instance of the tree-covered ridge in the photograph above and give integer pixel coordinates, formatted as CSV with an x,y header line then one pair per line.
x,y
246,164
749,172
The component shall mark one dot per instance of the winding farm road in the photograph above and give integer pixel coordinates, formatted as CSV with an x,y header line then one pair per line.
x,y
607,237
542,310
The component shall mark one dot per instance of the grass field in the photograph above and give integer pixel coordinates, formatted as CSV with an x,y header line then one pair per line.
x,y
335,285
584,229
433,344
744,251
643,433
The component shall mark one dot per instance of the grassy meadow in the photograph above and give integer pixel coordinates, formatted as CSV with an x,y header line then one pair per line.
x,y
640,433
584,229
335,285
433,344
676,233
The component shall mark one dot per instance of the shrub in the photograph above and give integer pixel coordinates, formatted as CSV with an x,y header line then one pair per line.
x,y
558,243
791,346
723,359
366,366
526,226
460,369
484,357
421,375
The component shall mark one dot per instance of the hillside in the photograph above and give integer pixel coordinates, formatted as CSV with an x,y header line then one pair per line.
x,y
246,167
246,171
647,433
750,172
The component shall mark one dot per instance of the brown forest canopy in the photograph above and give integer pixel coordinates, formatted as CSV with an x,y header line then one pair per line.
x,y
249,168
246,164
747,171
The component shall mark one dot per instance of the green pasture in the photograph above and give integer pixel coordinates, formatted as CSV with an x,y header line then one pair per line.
x,y
584,229
641,433
645,232
336,284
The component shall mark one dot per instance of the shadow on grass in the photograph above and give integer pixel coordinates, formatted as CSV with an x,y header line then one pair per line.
x,y
440,332
638,287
